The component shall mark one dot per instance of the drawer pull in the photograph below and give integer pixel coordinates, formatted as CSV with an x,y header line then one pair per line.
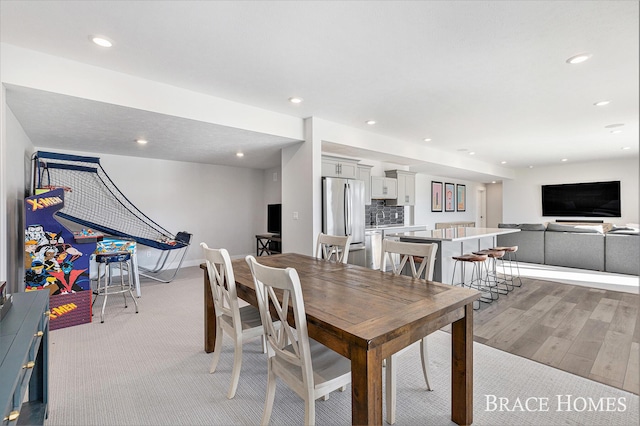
x,y
30,364
12,416
39,334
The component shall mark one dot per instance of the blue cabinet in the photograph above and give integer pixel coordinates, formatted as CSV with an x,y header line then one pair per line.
x,y
24,352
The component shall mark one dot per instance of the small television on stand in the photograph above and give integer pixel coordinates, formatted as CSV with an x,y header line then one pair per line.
x,y
274,224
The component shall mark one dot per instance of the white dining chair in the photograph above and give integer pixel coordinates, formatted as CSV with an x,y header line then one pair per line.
x,y
408,254
333,247
240,323
309,368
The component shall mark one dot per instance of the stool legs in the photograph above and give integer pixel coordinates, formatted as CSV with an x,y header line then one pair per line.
x,y
512,258
475,281
105,285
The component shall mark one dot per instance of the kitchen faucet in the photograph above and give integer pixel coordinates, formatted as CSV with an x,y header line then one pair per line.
x,y
377,223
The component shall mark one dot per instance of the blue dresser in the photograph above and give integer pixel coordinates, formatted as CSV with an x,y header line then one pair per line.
x,y
24,345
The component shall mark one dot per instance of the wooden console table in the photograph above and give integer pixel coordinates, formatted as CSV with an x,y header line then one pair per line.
x,y
265,243
24,357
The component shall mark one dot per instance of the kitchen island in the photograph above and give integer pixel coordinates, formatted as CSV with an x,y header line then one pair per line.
x,y
374,236
453,242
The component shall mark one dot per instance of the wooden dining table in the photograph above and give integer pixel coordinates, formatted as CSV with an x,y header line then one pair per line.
x,y
367,315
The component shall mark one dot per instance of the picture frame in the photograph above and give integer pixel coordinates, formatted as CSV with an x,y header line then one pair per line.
x,y
449,197
461,197
436,196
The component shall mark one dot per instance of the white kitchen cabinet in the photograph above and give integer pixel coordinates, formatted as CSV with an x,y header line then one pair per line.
x,y
339,167
406,187
383,188
364,174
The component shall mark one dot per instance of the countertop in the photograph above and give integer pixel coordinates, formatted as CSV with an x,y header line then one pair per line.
x,y
395,228
452,234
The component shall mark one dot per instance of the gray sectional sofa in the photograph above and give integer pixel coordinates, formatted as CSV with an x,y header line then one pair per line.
x,y
530,241
622,251
599,247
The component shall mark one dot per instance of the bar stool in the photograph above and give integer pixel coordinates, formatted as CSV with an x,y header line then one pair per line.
x,y
510,256
476,275
105,286
491,277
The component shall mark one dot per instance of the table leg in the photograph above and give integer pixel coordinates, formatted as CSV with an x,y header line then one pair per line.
x,y
462,368
209,316
366,387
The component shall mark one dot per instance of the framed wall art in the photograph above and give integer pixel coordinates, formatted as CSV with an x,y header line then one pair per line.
x,y
449,197
461,198
436,196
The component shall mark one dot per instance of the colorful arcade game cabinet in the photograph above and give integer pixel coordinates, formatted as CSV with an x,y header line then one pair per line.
x,y
57,261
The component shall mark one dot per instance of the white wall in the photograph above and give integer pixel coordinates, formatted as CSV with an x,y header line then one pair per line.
x,y
15,181
273,186
222,206
522,196
422,209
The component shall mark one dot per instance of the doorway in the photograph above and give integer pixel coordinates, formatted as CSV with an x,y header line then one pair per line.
x,y
481,207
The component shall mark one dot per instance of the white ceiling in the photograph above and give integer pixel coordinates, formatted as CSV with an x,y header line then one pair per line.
x,y
481,76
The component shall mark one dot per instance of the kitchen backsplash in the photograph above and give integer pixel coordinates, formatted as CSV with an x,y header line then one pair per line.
x,y
378,208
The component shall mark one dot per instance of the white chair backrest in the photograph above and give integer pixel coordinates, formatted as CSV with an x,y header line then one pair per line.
x,y
223,284
333,247
406,251
288,343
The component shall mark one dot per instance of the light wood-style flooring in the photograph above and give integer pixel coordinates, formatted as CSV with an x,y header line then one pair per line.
x,y
589,332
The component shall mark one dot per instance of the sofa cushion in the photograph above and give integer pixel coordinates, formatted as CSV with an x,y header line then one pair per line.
x,y
622,252
585,229
508,225
532,226
575,250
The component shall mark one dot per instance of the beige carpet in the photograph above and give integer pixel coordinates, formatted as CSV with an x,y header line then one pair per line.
x,y
150,369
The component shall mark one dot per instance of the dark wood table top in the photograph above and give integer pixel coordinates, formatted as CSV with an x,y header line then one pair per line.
x,y
361,305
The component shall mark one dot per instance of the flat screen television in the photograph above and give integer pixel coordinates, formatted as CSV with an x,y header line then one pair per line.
x,y
274,218
591,199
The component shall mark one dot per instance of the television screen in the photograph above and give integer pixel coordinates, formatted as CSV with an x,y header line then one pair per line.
x,y
593,199
274,218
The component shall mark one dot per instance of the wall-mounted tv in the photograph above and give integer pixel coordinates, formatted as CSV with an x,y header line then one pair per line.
x,y
591,199
274,218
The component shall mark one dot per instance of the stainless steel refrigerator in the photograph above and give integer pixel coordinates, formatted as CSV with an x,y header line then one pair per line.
x,y
343,209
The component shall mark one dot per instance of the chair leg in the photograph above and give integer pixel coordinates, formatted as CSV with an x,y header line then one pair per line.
x,y
217,348
237,365
309,409
424,356
390,389
271,393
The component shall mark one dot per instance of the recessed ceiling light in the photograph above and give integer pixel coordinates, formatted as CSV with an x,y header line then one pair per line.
x,y
626,147
141,141
493,181
613,126
578,59
616,131
564,159
531,167
371,122
602,103
503,162
239,154
295,100
427,139
472,153
101,41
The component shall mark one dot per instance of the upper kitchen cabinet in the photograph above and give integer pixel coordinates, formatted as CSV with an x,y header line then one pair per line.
x,y
339,167
406,187
384,188
364,174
